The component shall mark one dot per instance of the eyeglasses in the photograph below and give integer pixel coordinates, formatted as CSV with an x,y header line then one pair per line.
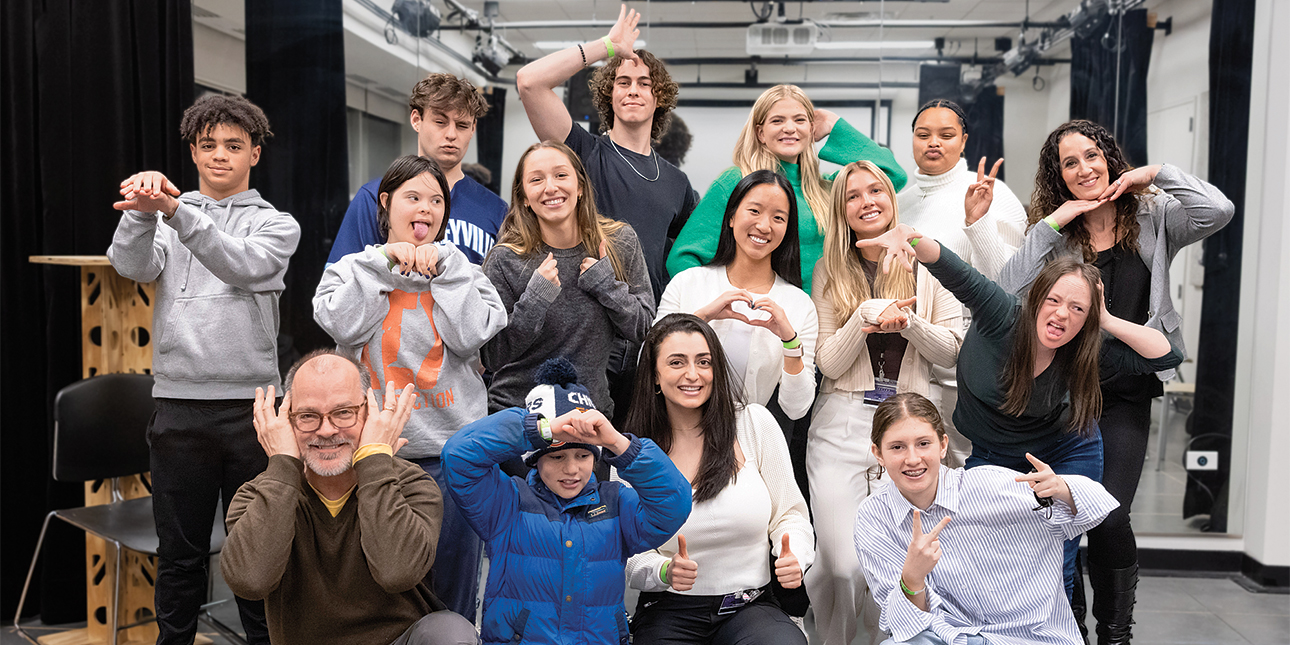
x,y
340,418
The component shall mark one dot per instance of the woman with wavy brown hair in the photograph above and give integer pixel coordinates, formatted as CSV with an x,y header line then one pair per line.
x,y
1130,223
1028,367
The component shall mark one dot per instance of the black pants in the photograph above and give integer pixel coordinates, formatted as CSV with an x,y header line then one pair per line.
x,y
201,451
1125,425
666,618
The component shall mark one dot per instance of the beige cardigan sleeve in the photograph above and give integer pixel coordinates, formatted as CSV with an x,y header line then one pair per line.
x,y
936,328
836,349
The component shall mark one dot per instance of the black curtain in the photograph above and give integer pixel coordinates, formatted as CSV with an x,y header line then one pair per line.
x,y
489,132
295,72
1231,48
985,129
92,93
1095,94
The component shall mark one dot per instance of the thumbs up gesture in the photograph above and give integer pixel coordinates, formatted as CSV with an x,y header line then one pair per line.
x,y
683,571
787,569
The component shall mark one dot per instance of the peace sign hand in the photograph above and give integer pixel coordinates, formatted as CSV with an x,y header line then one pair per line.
x,y
981,193
924,551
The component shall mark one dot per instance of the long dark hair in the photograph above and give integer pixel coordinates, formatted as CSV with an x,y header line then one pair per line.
x,y
1078,359
400,172
648,417
785,260
1051,190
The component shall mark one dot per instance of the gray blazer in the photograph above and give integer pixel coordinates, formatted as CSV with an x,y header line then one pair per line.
x,y
1184,210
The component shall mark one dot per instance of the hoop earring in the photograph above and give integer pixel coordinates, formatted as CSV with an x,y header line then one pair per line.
x,y
658,389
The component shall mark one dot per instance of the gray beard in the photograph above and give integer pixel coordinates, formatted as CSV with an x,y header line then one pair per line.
x,y
328,467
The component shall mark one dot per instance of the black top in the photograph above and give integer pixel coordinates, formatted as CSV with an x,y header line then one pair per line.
x,y
1126,282
886,350
656,209
984,354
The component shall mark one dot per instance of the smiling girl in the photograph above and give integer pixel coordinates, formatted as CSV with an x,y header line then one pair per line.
x,y
966,556
779,136
1130,223
571,279
880,333
751,295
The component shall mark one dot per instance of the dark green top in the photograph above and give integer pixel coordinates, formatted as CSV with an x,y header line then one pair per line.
x,y
984,353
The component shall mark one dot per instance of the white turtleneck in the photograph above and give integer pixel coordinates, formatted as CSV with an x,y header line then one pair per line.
x,y
933,204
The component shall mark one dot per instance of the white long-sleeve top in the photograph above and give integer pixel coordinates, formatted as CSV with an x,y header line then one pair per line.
x,y
731,535
694,288
933,204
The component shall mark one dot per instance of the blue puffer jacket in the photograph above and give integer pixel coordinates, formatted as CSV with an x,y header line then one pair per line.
x,y
555,565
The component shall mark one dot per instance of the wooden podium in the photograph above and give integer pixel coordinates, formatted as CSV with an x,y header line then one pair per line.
x,y
116,337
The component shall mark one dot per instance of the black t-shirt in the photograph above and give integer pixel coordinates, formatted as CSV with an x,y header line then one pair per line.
x,y
1126,282
886,350
621,181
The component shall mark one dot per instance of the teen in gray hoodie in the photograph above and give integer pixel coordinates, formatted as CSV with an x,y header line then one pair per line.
x,y
415,310
218,256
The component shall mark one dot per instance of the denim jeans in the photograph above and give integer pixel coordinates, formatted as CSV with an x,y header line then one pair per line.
x,y
1069,455
458,559
200,451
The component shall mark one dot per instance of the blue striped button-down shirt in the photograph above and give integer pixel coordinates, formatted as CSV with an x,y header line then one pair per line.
x,y
1000,572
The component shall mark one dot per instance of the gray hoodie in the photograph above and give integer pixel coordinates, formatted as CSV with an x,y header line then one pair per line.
x,y
219,267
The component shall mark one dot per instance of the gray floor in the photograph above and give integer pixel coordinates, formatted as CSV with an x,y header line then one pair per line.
x,y
1201,611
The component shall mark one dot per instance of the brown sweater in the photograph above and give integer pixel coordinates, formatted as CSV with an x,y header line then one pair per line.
x,y
353,578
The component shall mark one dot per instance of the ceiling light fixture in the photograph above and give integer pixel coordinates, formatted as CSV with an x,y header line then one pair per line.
x,y
877,44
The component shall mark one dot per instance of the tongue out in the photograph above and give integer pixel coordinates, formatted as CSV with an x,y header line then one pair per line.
x,y
420,230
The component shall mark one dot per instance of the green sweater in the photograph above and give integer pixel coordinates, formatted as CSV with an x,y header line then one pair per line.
x,y
697,243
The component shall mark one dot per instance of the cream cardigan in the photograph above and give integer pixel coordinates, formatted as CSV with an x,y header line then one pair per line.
x,y
935,333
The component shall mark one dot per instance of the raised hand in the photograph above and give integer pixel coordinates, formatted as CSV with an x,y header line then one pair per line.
x,y
892,319
148,191
1066,213
787,569
273,428
923,554
588,426
385,424
722,306
683,571
981,193
1135,179
589,262
1045,483
896,243
778,321
823,123
624,33
549,270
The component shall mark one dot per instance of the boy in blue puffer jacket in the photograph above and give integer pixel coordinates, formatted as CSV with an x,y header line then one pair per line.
x,y
558,542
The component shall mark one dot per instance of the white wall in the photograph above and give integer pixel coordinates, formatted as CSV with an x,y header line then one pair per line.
x,y
1263,378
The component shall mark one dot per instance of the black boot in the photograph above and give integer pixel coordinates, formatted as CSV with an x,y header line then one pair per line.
x,y
1078,606
1113,597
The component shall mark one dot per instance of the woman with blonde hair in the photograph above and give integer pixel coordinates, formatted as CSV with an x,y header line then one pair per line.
x,y
879,334
779,137
571,279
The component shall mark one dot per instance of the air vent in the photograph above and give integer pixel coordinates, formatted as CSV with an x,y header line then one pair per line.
x,y
782,39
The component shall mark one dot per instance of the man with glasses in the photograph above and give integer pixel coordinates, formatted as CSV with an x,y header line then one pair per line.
x,y
337,535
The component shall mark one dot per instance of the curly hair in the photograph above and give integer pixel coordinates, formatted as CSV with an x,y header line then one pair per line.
x,y
221,109
662,86
445,92
675,143
1051,190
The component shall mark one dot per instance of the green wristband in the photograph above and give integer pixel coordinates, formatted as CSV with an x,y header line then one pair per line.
x,y
1053,223
911,593
662,573
609,45
914,242
793,343
544,428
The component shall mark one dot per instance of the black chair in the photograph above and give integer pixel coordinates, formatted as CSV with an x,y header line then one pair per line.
x,y
100,428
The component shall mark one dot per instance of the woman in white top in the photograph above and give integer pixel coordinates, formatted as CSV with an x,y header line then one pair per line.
x,y
880,333
751,295
711,582
933,203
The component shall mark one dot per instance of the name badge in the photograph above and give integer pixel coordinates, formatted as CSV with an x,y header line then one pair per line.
x,y
883,388
734,601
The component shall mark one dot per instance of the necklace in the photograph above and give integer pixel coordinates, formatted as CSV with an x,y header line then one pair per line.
x,y
657,171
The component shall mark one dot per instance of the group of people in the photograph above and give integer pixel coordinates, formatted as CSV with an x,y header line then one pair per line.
x,y
607,382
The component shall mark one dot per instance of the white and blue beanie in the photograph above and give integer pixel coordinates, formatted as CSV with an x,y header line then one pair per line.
x,y
558,392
